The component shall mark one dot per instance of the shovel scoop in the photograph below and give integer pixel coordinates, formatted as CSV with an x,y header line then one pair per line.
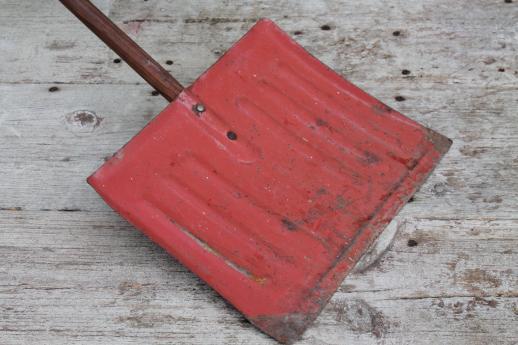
x,y
268,177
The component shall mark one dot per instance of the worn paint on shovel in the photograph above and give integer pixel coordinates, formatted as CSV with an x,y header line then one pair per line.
x,y
269,177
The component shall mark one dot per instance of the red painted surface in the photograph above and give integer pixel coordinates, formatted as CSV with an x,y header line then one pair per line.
x,y
274,219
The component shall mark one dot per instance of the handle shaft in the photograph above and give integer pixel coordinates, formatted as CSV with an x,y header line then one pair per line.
x,y
125,47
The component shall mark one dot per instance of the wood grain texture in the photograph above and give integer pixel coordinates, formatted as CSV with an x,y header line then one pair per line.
x,y
73,272
120,43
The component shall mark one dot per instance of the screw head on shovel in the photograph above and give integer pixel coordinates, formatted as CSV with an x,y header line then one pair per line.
x,y
199,108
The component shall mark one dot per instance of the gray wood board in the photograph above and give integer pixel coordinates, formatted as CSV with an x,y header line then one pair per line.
x,y
74,272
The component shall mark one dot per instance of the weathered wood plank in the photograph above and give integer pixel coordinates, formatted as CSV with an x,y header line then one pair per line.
x,y
91,275
48,152
465,42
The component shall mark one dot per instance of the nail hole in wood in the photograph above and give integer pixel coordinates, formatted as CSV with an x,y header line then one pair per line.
x,y
53,89
412,243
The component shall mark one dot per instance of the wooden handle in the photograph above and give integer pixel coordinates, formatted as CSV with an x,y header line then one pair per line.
x,y
125,47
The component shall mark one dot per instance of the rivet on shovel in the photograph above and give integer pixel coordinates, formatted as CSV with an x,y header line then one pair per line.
x,y
199,108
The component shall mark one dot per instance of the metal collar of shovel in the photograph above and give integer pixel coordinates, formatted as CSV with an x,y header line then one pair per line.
x,y
268,177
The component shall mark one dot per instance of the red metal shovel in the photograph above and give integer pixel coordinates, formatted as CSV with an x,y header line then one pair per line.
x,y
268,177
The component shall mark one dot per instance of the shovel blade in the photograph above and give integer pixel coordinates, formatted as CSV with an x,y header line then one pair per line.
x,y
269,177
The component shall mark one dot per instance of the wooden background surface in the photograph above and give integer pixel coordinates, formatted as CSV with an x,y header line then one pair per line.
x,y
73,272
